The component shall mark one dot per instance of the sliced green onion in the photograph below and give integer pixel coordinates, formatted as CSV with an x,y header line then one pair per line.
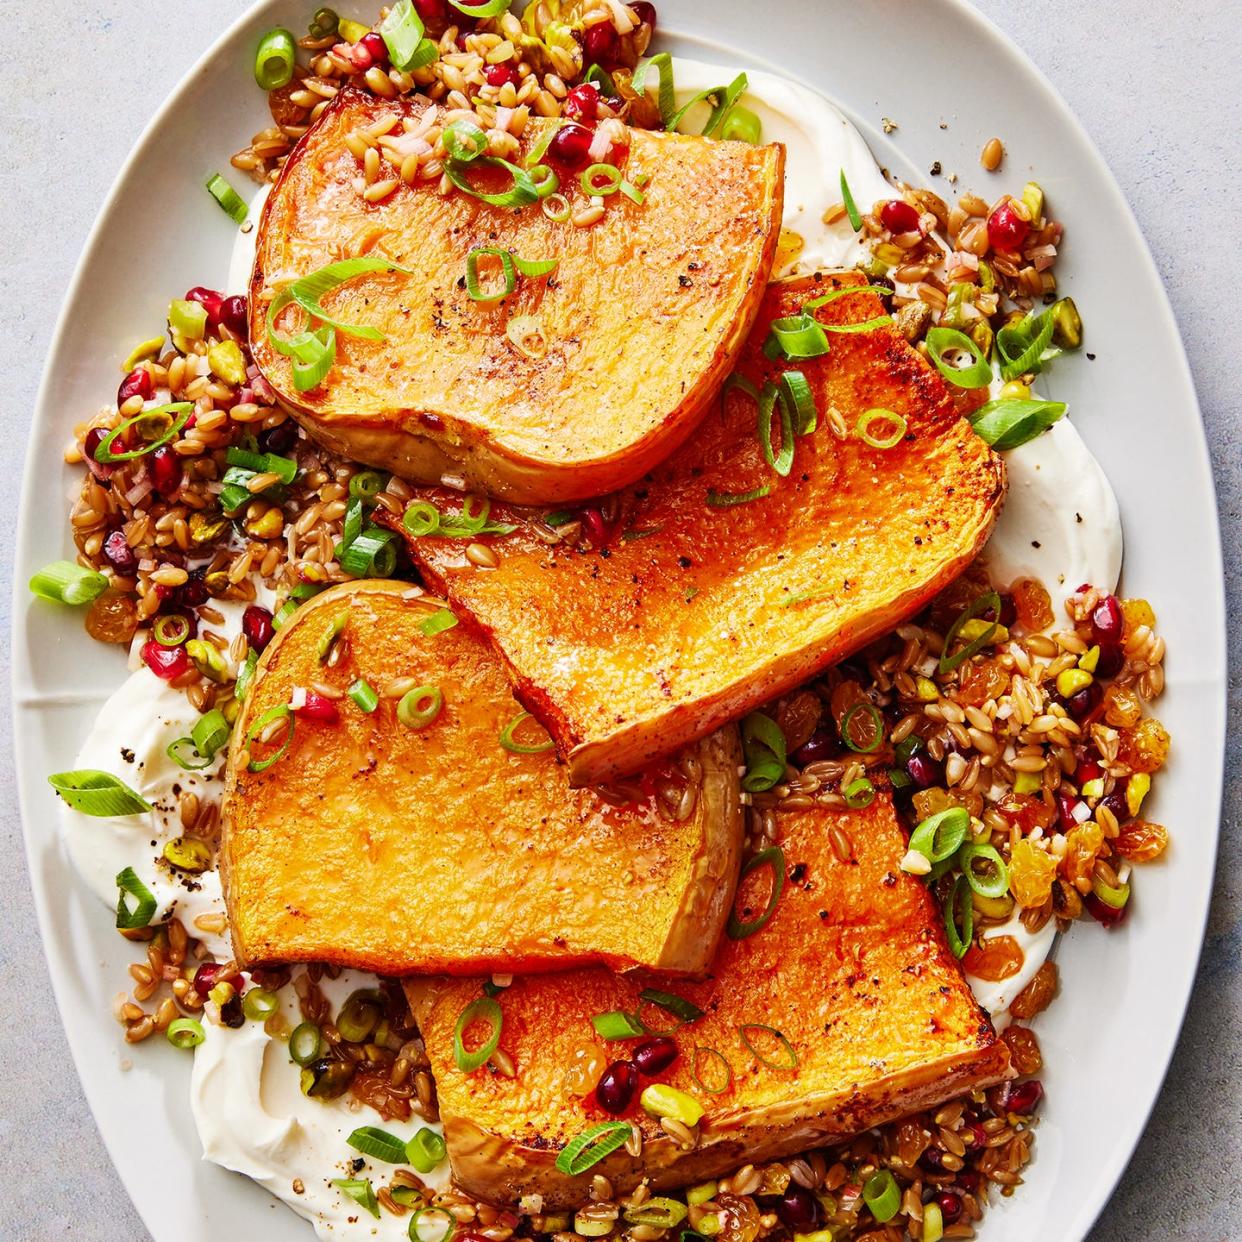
x,y
1113,897
1024,347
360,1190
543,142
796,393
171,629
773,858
258,1004
309,291
509,741
739,381
325,24
1009,422
420,706
186,755
769,399
473,289
284,468
632,192
764,747
443,1233
796,337
131,917
851,208
491,8
989,601
546,181
742,125
593,1145
305,1043
656,1213
281,711
402,31
210,732
611,175
174,416
941,340
886,441
728,500
705,1052
464,141
849,733
187,319
788,1065
96,793
859,794
557,209
535,267
882,1196
422,518
366,485
439,621
425,1150
833,294
617,1025
232,203
185,1033
521,193
994,882
601,77
273,62
679,1006
379,1144
482,1009
315,359
63,582
373,554
245,676
723,99
959,918
940,836
364,696
662,63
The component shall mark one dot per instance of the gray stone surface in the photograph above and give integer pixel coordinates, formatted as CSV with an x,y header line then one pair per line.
x,y
1156,86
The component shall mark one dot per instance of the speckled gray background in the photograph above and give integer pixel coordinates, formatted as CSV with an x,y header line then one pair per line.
x,y
1156,86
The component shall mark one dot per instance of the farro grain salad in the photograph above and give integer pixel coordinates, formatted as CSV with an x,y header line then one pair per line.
x,y
628,677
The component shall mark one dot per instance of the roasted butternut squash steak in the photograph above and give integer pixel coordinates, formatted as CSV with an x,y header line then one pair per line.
x,y
723,583
843,1010
637,326
410,839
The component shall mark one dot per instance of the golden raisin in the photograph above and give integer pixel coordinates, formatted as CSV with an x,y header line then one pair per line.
x,y
1141,841
1032,604
112,618
1135,612
739,1218
1036,996
997,958
1082,844
1026,811
797,717
863,728
981,682
929,801
1031,872
1146,747
586,1063
1024,1053
1123,708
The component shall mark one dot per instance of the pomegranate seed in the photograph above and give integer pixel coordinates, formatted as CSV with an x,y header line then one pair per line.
x,y
233,314
1107,621
820,745
1088,771
899,217
596,527
968,1180
950,1207
1116,802
655,1055
1009,611
799,1210
165,469
431,11
1112,657
376,47
193,592
924,770
599,42
119,554
930,1159
209,299
318,707
616,1087
359,57
209,974
165,662
499,75
1023,1097
279,439
1103,913
582,103
137,383
571,148
645,12
1082,704
94,438
257,626
1066,803
1007,229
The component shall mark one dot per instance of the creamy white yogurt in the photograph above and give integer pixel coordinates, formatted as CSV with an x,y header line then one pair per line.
x,y
241,262
252,1118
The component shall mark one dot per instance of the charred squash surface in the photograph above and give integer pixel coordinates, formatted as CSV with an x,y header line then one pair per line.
x,y
851,968
641,319
395,849
696,609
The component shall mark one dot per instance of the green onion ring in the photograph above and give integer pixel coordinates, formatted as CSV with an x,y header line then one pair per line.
x,y
363,695
521,193
96,793
697,1072
305,1043
796,337
1030,352
940,340
508,741
882,1195
877,723
418,1235
377,1143
769,398
617,1025
998,884
940,836
185,1033
484,1009
796,393
463,141
774,858
535,155
425,1150
859,794
182,411
879,415
365,485
230,201
730,500
681,1007
422,518
739,381
851,208
612,177
274,59
833,294
65,582
130,918
439,621
557,209
171,629
508,271
410,714
662,62
593,1145
1009,422
763,745
865,325
490,8
281,711
744,1032
989,601
545,180
258,1004
186,755
656,1213
959,906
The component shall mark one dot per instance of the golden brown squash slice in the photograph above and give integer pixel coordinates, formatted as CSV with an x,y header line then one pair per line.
x,y
697,608
851,969
393,848
641,321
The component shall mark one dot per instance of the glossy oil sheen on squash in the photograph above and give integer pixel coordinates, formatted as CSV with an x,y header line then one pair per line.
x,y
693,614
642,317
852,969
375,845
